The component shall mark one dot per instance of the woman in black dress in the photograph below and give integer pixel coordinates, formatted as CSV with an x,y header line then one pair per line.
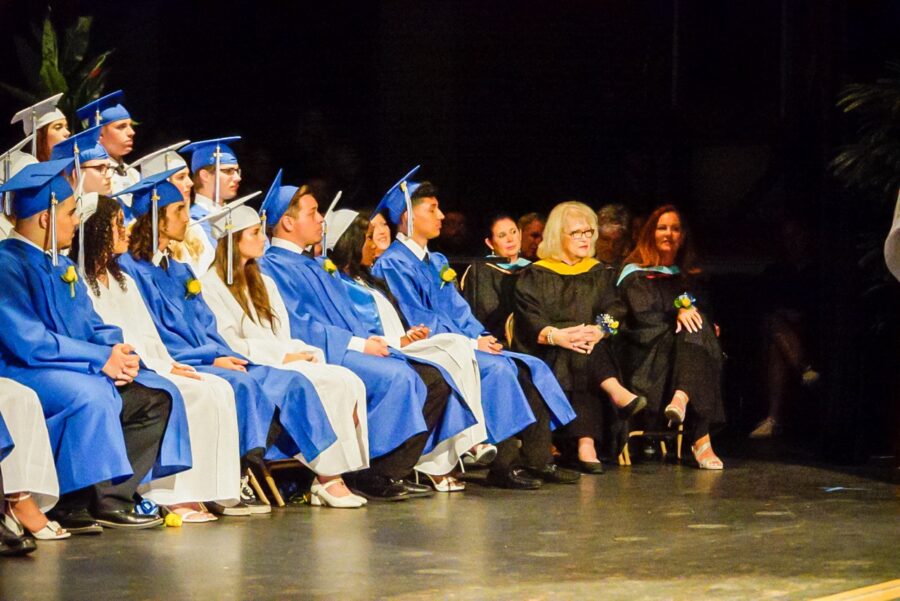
x,y
558,302
489,287
670,348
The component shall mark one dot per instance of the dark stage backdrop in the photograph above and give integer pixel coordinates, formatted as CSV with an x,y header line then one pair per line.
x,y
725,108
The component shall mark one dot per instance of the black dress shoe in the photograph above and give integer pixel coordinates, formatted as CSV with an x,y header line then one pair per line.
x,y
415,490
553,473
77,522
127,519
637,404
515,478
14,545
376,487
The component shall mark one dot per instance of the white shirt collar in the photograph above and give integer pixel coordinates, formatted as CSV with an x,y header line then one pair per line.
x,y
14,235
286,245
205,203
413,246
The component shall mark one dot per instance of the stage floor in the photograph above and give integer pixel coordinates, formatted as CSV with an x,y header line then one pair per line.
x,y
758,530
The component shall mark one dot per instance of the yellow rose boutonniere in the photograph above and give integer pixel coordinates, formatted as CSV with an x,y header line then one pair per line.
x,y
448,274
329,266
192,288
70,276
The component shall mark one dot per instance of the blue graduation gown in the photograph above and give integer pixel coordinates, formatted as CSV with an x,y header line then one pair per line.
x,y
187,327
57,345
321,314
6,441
417,286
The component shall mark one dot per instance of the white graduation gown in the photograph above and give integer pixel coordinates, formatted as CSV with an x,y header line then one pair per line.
x,y
455,354
340,389
201,264
210,405
29,467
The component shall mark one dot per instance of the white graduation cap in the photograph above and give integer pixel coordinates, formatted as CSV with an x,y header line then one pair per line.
x,y
37,116
223,224
161,160
325,246
11,162
89,201
338,222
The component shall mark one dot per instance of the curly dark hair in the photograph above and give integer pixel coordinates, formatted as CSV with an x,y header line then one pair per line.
x,y
98,244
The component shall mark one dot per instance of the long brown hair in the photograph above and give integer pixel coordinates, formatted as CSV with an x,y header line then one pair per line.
x,y
43,151
249,278
646,254
141,244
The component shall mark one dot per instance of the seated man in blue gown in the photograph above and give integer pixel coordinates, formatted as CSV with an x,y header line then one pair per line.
x,y
411,407
424,287
111,421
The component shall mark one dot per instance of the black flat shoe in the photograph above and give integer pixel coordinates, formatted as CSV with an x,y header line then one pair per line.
x,y
589,467
554,474
375,487
516,478
415,490
637,404
127,519
78,522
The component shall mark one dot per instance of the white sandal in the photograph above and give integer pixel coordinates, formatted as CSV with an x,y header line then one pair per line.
x,y
319,496
447,484
710,463
675,411
51,530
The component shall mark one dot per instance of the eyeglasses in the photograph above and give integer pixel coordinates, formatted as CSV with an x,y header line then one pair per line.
x,y
230,171
103,169
579,234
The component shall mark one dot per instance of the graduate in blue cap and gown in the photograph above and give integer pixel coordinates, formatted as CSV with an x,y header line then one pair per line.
x,y
188,329
424,285
112,422
90,168
406,402
217,179
116,136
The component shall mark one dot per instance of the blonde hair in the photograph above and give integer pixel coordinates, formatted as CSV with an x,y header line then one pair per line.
x,y
551,246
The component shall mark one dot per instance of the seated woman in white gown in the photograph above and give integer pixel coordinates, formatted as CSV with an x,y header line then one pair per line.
x,y
209,400
251,317
353,251
29,474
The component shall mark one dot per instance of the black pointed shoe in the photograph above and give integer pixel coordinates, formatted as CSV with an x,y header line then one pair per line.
x,y
516,478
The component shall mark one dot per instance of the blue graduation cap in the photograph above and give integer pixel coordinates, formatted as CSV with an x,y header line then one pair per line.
x,y
40,187
276,202
150,195
104,110
398,199
83,147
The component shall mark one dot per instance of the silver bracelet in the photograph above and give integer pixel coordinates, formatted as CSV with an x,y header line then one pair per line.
x,y
550,337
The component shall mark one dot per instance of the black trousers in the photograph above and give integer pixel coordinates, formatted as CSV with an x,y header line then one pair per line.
x,y
145,414
695,374
401,461
534,451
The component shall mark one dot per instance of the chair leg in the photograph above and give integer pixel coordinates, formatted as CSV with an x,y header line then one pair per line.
x,y
254,484
627,454
679,439
270,480
663,450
